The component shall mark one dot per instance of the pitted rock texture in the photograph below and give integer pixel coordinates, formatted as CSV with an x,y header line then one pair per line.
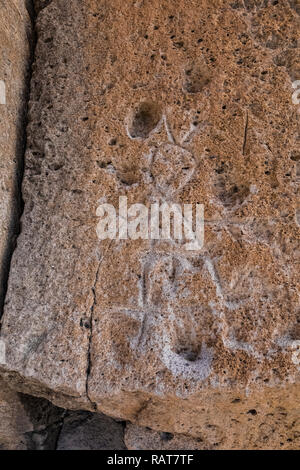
x,y
263,423
138,438
15,43
178,101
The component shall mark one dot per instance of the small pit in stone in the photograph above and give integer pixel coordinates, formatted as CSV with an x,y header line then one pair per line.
x,y
143,119
252,412
188,354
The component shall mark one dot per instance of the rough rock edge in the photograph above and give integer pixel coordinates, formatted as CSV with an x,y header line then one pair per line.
x,y
33,7
39,390
21,125
40,8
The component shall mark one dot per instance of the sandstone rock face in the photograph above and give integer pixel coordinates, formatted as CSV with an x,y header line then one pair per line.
x,y
182,102
27,423
138,438
30,423
15,27
273,426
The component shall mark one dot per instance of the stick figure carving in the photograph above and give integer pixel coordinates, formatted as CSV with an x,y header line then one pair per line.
x,y
170,167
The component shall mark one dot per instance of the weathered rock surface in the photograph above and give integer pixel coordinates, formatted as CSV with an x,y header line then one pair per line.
x,y
138,438
83,430
30,423
27,423
183,101
272,426
15,38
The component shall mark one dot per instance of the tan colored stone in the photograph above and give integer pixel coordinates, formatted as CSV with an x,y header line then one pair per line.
x,y
138,438
27,423
256,423
30,423
15,31
184,101
14,422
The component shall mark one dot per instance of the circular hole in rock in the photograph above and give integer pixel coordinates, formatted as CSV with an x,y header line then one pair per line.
x,y
144,119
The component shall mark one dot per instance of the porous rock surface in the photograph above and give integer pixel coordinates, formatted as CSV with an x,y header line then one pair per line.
x,y
179,101
138,438
15,39
26,422
274,426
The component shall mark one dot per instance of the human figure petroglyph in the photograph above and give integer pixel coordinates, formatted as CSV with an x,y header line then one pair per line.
x,y
170,167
